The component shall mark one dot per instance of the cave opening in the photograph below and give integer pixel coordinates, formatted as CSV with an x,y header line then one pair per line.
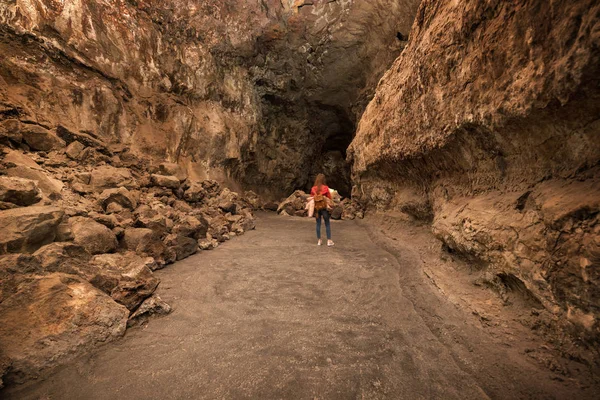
x,y
333,128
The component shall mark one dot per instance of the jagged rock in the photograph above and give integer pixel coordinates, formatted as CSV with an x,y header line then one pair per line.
x,y
219,228
108,220
73,150
121,196
191,226
173,169
127,278
195,193
295,202
94,237
15,269
183,246
145,241
62,257
336,212
40,138
10,130
49,186
165,181
26,229
54,318
22,192
208,244
108,177
253,199
69,136
153,305
228,206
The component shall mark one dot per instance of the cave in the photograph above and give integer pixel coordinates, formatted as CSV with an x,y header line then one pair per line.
x,y
461,144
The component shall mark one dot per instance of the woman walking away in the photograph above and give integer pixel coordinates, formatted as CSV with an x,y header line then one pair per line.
x,y
320,193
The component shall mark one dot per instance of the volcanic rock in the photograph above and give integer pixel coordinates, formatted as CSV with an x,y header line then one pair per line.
x,y
21,192
94,237
26,229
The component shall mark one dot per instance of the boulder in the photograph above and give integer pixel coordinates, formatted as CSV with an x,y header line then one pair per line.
x,y
49,186
40,138
166,181
127,278
74,150
173,169
93,236
64,257
54,318
146,242
183,246
15,269
108,177
228,206
153,305
26,229
69,136
252,199
195,193
120,196
191,226
337,212
10,130
19,191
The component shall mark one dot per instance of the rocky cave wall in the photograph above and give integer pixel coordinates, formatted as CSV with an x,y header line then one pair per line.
x,y
488,127
258,93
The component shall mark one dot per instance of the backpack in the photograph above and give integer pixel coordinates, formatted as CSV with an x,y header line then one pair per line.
x,y
320,202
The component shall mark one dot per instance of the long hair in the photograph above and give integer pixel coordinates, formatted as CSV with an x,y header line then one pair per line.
x,y
319,182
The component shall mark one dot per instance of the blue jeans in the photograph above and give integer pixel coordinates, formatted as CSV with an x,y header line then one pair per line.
x,y
325,215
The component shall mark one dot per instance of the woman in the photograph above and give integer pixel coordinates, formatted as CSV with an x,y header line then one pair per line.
x,y
320,192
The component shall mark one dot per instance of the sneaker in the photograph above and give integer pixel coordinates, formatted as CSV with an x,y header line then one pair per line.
x,y
320,242
330,243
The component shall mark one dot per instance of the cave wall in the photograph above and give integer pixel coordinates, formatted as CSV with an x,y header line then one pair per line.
x,y
250,93
487,127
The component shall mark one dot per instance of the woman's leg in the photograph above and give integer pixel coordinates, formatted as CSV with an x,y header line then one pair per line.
x,y
327,224
318,224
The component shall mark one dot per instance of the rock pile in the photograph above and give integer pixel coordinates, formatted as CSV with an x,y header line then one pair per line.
x,y
84,226
295,205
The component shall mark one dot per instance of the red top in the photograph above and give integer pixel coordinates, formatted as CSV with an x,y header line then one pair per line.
x,y
324,191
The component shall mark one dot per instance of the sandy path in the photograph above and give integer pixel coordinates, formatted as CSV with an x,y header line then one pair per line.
x,y
270,315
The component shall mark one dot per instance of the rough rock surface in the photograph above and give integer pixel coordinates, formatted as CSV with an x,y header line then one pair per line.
x,y
250,90
487,126
50,319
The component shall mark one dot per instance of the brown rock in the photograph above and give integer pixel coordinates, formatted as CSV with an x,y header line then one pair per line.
x,y
195,193
26,229
121,196
153,305
146,242
74,150
54,318
107,177
94,237
127,278
22,192
40,138
170,182
49,186
62,257
10,130
183,246
173,169
191,226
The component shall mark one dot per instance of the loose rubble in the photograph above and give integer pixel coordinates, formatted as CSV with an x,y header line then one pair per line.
x,y
83,230
295,205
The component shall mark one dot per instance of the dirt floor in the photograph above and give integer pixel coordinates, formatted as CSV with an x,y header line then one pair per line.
x,y
269,315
